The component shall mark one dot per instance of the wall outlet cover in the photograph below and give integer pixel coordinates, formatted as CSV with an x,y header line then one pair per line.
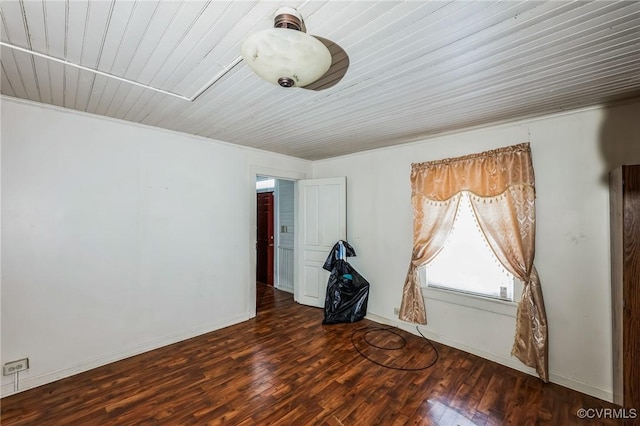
x,y
15,366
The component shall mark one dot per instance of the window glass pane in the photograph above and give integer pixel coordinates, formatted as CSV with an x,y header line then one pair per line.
x,y
265,184
466,263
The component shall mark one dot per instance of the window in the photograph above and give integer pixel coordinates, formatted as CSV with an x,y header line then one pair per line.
x,y
467,264
265,183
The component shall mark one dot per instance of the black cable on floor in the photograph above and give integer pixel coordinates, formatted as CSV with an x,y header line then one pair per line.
x,y
403,343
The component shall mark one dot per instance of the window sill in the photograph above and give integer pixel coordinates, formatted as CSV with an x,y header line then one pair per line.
x,y
501,307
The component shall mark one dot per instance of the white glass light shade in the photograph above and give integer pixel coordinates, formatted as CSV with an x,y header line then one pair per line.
x,y
279,53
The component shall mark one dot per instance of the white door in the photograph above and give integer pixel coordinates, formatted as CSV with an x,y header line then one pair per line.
x,y
322,212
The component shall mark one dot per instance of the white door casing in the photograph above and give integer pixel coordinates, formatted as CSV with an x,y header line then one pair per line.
x,y
322,213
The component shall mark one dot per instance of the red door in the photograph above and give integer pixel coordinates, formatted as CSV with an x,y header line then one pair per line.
x,y
264,246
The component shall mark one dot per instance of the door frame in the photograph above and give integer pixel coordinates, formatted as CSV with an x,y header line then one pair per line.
x,y
254,171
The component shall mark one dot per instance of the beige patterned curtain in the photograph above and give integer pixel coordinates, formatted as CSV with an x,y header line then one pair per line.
x,y
502,188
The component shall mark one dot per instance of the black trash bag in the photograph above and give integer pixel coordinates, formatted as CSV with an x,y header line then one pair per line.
x,y
347,295
335,254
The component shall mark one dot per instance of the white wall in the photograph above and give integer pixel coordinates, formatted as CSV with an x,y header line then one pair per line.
x,y
571,154
118,238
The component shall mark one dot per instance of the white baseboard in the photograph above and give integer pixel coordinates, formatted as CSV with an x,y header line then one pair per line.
x,y
42,379
576,385
285,288
507,361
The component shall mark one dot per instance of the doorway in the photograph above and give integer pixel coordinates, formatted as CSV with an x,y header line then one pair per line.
x,y
291,274
275,227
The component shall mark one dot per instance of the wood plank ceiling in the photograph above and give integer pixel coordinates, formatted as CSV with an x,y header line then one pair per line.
x,y
403,70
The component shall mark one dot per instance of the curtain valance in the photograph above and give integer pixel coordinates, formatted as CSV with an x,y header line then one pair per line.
x,y
486,174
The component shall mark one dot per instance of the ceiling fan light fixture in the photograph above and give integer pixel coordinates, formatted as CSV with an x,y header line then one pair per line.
x,y
285,55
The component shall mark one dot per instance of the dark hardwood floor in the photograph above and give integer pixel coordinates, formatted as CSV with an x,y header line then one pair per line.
x,y
283,367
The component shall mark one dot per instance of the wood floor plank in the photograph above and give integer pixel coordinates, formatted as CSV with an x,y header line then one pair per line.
x,y
285,368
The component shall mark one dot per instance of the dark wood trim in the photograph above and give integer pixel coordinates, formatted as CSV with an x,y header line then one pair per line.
x,y
625,284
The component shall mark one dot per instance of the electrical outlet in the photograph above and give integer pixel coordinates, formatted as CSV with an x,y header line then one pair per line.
x,y
15,366
396,311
